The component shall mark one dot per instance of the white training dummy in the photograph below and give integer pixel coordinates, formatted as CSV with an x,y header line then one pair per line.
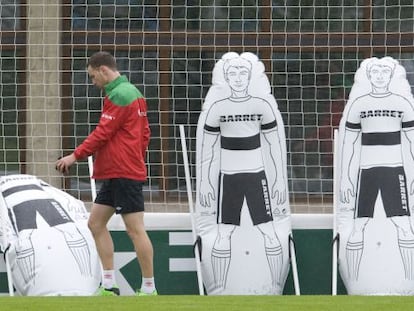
x,y
242,206
49,246
375,182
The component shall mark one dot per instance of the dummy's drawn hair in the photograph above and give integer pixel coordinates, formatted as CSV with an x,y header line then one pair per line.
x,y
237,62
259,85
398,84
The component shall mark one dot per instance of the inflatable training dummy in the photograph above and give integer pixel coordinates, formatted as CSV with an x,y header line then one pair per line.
x,y
242,208
375,182
48,245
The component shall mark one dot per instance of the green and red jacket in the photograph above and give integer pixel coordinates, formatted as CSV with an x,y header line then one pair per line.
x,y
120,140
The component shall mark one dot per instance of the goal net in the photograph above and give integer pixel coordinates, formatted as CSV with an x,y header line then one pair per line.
x,y
311,50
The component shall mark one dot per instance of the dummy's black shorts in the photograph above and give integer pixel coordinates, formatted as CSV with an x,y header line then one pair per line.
x,y
235,188
391,183
51,211
125,195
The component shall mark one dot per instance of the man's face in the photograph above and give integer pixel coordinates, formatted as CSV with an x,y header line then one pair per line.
x,y
97,76
238,78
380,76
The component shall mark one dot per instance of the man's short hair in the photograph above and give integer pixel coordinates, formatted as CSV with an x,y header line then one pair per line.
x,y
102,59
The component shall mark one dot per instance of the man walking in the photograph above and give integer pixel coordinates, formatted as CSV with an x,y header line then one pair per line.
x,y
118,143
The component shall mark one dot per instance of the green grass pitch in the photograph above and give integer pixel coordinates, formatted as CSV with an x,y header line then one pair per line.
x,y
210,303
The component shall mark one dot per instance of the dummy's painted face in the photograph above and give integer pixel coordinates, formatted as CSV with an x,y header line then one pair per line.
x,y
238,78
380,76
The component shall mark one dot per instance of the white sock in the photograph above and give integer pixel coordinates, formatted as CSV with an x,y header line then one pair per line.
x,y
147,285
108,278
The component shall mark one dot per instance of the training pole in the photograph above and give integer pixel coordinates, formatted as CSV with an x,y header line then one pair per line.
x,y
93,185
191,208
335,238
3,218
292,252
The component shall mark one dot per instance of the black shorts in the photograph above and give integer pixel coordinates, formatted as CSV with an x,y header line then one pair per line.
x,y
124,195
51,211
237,187
391,183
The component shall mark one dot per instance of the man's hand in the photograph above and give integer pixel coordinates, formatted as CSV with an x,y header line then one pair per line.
x,y
63,164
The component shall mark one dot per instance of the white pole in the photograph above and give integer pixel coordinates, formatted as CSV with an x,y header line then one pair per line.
x,y
93,185
191,208
4,216
294,266
9,274
334,233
